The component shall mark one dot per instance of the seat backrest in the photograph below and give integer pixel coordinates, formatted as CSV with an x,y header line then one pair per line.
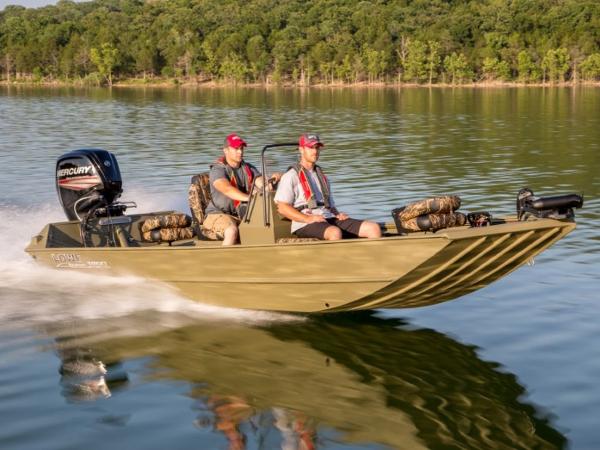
x,y
199,196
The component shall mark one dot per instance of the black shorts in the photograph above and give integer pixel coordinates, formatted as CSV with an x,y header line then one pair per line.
x,y
349,227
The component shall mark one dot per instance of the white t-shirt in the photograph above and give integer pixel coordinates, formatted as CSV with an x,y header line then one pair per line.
x,y
290,191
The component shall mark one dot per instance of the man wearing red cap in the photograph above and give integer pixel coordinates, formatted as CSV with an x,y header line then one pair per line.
x,y
304,197
230,180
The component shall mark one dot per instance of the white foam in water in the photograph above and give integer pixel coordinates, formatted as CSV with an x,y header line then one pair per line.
x,y
31,293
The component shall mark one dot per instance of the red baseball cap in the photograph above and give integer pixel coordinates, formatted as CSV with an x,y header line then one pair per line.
x,y
233,140
310,140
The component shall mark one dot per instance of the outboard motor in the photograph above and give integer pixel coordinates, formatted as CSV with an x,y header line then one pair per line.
x,y
88,181
556,207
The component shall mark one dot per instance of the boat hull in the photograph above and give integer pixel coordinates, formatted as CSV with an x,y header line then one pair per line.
x,y
392,272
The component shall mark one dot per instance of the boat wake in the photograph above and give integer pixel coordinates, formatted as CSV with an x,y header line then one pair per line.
x,y
32,294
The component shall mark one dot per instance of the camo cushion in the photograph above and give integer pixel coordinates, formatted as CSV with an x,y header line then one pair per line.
x,y
168,234
430,214
176,220
432,222
199,196
435,205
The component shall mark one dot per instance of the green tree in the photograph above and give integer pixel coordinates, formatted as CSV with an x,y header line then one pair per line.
x,y
258,56
233,68
210,63
457,67
178,39
344,70
344,40
75,58
526,68
590,67
555,64
402,54
105,59
145,53
288,45
13,36
322,52
494,69
358,68
433,59
376,63
415,66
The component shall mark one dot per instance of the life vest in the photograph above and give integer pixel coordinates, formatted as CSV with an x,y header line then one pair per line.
x,y
309,195
233,179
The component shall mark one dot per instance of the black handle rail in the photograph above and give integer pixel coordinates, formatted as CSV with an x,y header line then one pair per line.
x,y
263,169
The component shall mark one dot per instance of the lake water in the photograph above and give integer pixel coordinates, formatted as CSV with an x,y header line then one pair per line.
x,y
515,365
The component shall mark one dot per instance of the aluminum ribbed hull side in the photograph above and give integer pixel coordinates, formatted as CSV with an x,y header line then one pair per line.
x,y
464,266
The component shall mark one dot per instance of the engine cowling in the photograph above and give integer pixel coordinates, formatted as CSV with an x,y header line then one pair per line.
x,y
86,180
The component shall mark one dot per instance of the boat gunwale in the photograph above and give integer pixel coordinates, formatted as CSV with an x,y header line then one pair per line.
x,y
457,233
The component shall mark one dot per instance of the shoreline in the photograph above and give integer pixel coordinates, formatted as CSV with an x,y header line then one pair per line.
x,y
173,83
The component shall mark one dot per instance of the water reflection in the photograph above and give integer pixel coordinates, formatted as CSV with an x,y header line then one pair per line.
x,y
84,377
358,379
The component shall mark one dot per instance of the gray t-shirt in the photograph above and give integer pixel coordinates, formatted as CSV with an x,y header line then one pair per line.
x,y
290,191
220,203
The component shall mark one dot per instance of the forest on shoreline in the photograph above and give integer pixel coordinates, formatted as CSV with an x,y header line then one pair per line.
x,y
302,43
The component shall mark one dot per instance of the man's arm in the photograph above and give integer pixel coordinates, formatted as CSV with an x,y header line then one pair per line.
x,y
259,179
225,188
289,212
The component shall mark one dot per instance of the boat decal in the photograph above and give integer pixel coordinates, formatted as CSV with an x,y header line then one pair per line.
x,y
79,183
83,170
74,261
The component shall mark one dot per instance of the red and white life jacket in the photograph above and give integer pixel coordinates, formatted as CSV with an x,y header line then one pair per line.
x,y
309,194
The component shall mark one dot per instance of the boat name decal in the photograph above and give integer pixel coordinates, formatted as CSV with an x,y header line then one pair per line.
x,y
73,261
82,170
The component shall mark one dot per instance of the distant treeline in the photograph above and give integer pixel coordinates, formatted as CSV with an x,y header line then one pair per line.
x,y
303,42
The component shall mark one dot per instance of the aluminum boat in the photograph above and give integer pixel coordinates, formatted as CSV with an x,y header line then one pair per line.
x,y
270,270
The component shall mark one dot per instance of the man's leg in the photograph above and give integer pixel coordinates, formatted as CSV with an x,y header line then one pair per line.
x,y
230,235
332,233
320,230
353,228
369,230
221,226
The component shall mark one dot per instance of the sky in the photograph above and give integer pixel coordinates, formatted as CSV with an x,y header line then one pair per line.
x,y
27,3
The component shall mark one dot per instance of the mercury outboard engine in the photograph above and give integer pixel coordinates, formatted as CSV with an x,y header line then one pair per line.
x,y
88,182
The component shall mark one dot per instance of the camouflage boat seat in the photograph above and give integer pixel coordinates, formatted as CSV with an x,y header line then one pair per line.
x,y
167,228
431,214
199,197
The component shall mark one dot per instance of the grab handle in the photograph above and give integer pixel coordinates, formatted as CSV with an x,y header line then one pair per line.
x,y
263,169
